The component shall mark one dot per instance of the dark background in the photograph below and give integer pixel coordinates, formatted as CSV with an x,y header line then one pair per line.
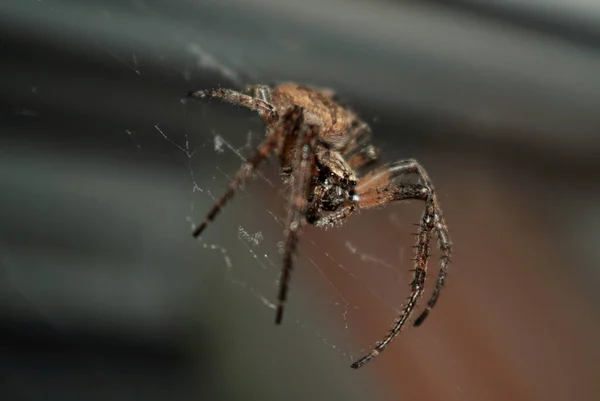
x,y
104,295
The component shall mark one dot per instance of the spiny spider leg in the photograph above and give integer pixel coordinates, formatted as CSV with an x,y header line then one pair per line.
x,y
273,139
305,159
266,110
443,238
446,247
376,189
419,273
380,178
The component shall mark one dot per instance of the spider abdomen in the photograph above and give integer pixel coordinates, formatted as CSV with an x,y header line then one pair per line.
x,y
334,122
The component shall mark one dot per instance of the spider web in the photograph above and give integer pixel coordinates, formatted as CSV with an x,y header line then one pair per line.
x,y
332,267
255,270
250,250
343,277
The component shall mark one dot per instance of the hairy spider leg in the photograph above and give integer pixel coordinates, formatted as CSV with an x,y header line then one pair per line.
x,y
376,189
417,284
305,160
443,239
446,247
379,178
266,110
274,138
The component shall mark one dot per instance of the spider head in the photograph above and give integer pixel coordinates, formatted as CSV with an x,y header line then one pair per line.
x,y
336,181
333,193
334,190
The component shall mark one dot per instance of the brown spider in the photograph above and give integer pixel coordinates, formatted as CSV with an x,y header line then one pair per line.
x,y
319,144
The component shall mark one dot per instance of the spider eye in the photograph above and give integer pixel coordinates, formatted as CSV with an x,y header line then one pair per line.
x,y
354,197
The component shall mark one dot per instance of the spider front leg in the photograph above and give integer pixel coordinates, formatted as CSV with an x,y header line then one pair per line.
x,y
303,160
275,135
376,189
265,109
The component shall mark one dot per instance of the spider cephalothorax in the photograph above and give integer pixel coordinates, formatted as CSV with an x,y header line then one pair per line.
x,y
320,144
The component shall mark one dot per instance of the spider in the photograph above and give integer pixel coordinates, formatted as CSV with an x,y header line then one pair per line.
x,y
320,144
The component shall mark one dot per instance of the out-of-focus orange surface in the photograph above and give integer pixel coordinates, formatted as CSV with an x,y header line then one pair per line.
x,y
510,324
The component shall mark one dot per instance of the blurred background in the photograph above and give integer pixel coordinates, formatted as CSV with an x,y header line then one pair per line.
x,y
104,171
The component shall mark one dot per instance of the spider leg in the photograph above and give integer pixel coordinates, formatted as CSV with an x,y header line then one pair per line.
x,y
274,138
363,157
266,110
443,237
376,189
336,217
305,161
360,134
359,153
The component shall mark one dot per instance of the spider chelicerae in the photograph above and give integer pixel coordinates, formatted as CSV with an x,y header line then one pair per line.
x,y
320,144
